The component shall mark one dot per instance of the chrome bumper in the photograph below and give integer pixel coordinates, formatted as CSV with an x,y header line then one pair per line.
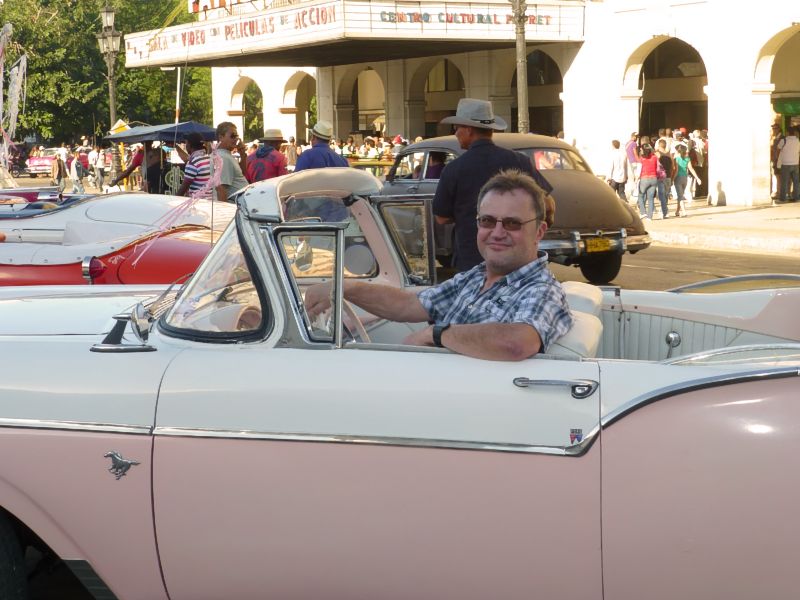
x,y
583,244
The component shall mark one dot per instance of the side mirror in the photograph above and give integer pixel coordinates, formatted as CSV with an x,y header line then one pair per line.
x,y
303,256
141,321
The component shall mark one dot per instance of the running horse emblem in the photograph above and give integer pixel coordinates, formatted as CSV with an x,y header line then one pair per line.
x,y
119,466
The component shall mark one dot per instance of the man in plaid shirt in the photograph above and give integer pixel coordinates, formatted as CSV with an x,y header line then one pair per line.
x,y
509,307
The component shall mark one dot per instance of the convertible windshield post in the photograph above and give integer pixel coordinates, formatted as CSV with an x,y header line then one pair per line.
x,y
338,289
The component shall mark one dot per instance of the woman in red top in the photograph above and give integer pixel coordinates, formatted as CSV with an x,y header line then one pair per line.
x,y
648,182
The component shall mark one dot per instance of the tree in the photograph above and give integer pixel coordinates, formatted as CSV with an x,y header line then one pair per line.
x,y
67,88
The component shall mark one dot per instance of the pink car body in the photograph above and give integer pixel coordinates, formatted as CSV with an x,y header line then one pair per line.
x,y
231,447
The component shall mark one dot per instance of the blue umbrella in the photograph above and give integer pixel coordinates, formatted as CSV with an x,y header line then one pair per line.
x,y
171,132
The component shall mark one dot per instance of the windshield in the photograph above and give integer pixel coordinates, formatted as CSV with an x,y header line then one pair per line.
x,y
221,298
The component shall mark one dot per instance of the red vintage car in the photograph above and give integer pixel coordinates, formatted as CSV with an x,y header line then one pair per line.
x,y
117,238
41,165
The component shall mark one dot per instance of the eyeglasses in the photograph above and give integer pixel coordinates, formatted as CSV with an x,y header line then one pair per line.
x,y
509,223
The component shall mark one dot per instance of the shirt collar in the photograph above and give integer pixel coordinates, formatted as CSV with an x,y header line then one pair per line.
x,y
481,142
521,275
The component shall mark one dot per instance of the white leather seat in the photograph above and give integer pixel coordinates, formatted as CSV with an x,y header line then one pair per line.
x,y
582,340
583,297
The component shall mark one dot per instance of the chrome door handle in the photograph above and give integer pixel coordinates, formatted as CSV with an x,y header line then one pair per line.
x,y
413,188
579,388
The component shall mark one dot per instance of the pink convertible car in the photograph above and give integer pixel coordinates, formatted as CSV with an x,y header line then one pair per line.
x,y
214,442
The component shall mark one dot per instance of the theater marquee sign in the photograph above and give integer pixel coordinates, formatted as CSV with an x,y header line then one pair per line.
x,y
271,30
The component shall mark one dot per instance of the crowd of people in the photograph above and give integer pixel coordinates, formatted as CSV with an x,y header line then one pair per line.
x,y
669,164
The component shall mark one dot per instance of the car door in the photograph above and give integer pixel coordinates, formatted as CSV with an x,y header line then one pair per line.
x,y
293,473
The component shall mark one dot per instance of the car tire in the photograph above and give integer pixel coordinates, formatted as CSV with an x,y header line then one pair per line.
x,y
33,175
15,172
601,270
13,583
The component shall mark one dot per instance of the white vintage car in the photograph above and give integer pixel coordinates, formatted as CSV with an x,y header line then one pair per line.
x,y
213,442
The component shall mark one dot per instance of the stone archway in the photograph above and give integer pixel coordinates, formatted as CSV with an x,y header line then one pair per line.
x,y
299,105
361,101
545,85
436,87
671,76
776,99
242,91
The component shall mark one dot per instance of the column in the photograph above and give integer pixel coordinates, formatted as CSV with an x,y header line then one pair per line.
x,y
415,117
396,123
760,118
502,108
343,119
477,80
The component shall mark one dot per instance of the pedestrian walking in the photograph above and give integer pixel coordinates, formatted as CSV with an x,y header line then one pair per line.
x,y
664,176
788,159
634,167
99,166
618,170
683,168
76,174
320,154
58,173
648,181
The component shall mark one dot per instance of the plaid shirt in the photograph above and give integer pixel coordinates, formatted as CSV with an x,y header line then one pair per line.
x,y
528,295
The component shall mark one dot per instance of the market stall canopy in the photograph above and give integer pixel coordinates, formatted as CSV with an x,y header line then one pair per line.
x,y
163,133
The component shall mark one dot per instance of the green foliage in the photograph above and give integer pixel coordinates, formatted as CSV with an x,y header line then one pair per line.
x,y
67,88
253,106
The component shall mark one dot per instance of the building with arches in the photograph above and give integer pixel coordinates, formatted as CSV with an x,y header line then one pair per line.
x,y
597,70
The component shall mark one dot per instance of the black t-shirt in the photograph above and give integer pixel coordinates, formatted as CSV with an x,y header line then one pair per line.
x,y
666,164
457,192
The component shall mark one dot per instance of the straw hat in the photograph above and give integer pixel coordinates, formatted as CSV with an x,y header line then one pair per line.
x,y
472,112
322,130
272,135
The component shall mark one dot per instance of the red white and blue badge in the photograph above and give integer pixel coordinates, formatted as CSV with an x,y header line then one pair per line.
x,y
575,436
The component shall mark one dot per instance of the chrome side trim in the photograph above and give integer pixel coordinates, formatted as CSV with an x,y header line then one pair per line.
x,y
574,450
694,385
74,426
730,350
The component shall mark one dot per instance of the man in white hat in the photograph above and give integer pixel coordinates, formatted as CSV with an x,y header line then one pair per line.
x,y
456,198
320,154
267,161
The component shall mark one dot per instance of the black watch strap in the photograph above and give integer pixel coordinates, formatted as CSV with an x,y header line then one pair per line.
x,y
438,330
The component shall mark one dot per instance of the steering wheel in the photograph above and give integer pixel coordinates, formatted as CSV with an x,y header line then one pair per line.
x,y
353,325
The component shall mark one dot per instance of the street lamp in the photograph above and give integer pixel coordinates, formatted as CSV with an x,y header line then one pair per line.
x,y
518,8
109,41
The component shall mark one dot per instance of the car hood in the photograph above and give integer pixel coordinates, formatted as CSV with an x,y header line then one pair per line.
x,y
67,310
585,203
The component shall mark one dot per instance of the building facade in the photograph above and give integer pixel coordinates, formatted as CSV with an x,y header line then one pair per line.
x,y
596,70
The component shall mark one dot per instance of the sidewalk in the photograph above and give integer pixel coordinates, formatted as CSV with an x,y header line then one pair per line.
x,y
765,229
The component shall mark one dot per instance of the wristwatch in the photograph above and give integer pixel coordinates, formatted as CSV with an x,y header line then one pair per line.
x,y
438,330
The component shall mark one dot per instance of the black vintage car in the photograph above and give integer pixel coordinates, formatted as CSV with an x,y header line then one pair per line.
x,y
593,228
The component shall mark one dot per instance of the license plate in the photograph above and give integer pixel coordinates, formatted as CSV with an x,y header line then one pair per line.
x,y
598,245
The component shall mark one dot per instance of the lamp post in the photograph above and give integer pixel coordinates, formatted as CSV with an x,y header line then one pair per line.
x,y
109,40
518,9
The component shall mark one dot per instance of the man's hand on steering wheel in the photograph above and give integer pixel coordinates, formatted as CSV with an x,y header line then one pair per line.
x,y
318,299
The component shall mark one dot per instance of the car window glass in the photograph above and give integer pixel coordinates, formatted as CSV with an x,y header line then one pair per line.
x,y
436,163
406,224
410,166
221,297
359,260
311,255
560,159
